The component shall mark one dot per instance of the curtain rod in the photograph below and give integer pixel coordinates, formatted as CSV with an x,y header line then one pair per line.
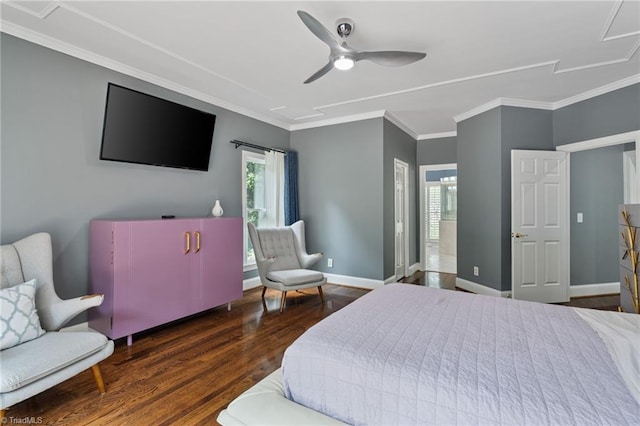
x,y
238,143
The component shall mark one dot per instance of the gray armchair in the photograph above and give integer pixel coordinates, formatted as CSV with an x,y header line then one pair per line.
x,y
36,365
283,261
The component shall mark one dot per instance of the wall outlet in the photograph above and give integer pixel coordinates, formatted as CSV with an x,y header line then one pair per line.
x,y
330,262
580,218
476,271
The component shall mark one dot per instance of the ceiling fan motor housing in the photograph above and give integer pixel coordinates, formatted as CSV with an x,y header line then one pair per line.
x,y
344,27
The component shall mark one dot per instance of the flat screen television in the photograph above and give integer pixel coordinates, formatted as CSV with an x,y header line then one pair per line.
x,y
140,128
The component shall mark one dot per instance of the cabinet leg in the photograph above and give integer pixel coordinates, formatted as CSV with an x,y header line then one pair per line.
x,y
130,340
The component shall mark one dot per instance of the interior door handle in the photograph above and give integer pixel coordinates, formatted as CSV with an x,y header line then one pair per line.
x,y
518,235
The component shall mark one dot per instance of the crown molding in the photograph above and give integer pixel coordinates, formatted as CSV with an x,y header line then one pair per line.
x,y
398,123
437,135
477,110
520,103
85,55
620,84
338,120
68,49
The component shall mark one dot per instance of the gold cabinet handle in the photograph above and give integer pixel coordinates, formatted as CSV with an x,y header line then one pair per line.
x,y
197,241
187,236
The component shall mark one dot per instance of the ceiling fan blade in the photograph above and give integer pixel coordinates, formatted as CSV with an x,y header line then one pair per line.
x,y
322,71
390,58
318,29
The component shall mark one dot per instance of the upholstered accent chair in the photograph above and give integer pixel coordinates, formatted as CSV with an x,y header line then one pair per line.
x,y
36,360
283,261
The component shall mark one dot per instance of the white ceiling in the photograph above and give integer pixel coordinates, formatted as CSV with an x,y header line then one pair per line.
x,y
252,57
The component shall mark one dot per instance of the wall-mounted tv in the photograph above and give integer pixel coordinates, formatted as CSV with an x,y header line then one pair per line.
x,y
140,128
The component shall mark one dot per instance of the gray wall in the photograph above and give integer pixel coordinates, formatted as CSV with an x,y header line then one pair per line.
x,y
52,179
479,198
398,144
609,114
436,151
522,128
596,191
596,179
484,187
341,195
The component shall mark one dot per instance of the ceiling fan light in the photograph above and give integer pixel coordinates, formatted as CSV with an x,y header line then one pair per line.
x,y
343,63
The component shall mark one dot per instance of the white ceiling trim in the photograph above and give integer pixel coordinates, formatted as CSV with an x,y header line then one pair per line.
x,y
610,20
548,105
634,79
305,117
338,120
153,46
612,17
440,83
82,54
437,136
520,103
396,121
627,58
91,57
43,14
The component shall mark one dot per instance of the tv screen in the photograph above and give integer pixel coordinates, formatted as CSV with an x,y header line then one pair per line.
x,y
140,128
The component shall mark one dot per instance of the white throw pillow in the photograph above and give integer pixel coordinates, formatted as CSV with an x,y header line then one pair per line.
x,y
19,320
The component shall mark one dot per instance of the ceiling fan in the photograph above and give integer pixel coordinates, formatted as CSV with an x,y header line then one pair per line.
x,y
343,57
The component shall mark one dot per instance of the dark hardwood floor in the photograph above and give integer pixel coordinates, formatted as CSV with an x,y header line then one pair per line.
x,y
188,371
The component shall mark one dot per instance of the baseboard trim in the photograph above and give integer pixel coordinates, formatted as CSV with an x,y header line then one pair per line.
x,y
391,279
251,283
594,289
345,280
584,290
480,289
358,282
414,268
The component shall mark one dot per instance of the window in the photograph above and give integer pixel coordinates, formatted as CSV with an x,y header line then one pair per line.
x,y
253,198
262,195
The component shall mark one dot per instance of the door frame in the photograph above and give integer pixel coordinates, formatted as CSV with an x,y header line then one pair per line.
x,y
397,163
617,139
422,170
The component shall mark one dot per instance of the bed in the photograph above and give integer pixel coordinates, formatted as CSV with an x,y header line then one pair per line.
x,y
406,354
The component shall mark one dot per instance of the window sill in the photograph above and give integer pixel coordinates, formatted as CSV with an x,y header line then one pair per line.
x,y
250,267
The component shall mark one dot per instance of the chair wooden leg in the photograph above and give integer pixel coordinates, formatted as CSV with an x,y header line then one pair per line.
x,y
2,414
283,301
97,375
321,294
264,290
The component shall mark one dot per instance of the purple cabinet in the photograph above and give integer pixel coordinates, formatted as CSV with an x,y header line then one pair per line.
x,y
156,271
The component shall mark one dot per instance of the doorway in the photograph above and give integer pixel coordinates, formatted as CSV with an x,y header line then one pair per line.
x,y
586,285
438,210
401,218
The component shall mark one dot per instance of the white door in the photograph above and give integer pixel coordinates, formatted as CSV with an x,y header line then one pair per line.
x,y
539,228
401,177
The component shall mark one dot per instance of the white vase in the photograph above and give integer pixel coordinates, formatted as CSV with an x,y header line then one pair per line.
x,y
217,209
